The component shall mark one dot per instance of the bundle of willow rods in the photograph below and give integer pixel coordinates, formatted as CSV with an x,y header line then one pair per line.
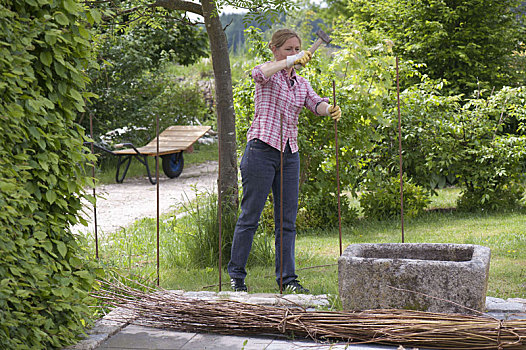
x,y
391,327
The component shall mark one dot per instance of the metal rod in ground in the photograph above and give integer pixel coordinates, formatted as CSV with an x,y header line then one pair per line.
x,y
281,206
400,151
337,168
157,185
94,192
219,204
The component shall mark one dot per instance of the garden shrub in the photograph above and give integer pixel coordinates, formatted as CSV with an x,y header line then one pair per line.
x,y
382,199
492,177
44,276
476,144
321,210
490,150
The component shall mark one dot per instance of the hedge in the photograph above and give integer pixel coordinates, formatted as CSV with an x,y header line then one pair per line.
x,y
44,275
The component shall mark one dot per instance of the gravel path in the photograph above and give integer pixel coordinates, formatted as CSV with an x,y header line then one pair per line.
x,y
119,205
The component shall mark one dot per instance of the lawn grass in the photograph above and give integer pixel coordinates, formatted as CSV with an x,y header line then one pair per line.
x,y
317,251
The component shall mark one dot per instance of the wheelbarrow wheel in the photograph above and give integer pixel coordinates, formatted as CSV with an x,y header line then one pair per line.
x,y
173,164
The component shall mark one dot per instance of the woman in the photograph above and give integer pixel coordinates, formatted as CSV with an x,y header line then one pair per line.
x,y
279,97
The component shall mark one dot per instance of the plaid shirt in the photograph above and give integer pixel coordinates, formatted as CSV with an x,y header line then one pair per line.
x,y
274,96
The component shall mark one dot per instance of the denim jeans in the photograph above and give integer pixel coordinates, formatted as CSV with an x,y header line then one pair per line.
x,y
260,172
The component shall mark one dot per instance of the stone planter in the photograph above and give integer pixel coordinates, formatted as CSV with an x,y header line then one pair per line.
x,y
450,278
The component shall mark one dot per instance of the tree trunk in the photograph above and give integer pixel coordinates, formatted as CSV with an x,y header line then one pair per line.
x,y
227,181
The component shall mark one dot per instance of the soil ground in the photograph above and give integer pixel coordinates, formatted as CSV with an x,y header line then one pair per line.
x,y
119,205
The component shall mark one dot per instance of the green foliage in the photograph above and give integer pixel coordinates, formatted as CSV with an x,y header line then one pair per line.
x,y
450,141
362,84
428,124
321,210
262,11
492,166
469,43
134,87
201,239
44,275
474,143
491,175
382,199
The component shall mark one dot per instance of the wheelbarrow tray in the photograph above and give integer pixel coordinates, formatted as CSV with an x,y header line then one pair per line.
x,y
172,141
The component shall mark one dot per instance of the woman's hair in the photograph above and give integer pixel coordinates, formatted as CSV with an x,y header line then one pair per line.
x,y
282,35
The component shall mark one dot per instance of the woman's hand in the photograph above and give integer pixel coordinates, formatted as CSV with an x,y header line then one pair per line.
x,y
334,112
300,58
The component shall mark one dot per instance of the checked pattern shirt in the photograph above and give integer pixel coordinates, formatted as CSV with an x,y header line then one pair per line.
x,y
275,96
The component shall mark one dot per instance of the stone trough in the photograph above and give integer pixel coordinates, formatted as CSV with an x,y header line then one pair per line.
x,y
433,277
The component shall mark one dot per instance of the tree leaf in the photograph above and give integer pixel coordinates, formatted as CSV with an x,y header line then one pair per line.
x,y
62,249
61,18
46,58
51,196
71,6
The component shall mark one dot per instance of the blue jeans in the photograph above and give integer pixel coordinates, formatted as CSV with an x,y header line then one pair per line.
x,y
260,172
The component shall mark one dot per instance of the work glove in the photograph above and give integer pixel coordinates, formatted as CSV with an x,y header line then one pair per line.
x,y
334,112
300,58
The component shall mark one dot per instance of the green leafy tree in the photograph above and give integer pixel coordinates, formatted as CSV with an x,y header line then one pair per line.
x,y
44,277
470,43
133,86
491,166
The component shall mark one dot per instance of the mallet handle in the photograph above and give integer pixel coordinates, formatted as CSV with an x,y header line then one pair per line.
x,y
312,49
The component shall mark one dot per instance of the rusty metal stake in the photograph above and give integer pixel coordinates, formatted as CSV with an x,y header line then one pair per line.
x,y
219,197
281,207
400,151
157,184
337,168
94,194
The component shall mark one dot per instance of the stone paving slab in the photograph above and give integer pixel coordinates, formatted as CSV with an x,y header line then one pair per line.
x,y
135,337
139,337
509,305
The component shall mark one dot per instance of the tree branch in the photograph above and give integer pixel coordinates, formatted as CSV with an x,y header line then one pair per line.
x,y
225,27
179,5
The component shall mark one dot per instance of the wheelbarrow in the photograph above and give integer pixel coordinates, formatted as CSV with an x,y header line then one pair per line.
x,y
172,142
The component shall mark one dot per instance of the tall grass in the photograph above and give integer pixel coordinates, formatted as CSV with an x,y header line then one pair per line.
x,y
202,233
